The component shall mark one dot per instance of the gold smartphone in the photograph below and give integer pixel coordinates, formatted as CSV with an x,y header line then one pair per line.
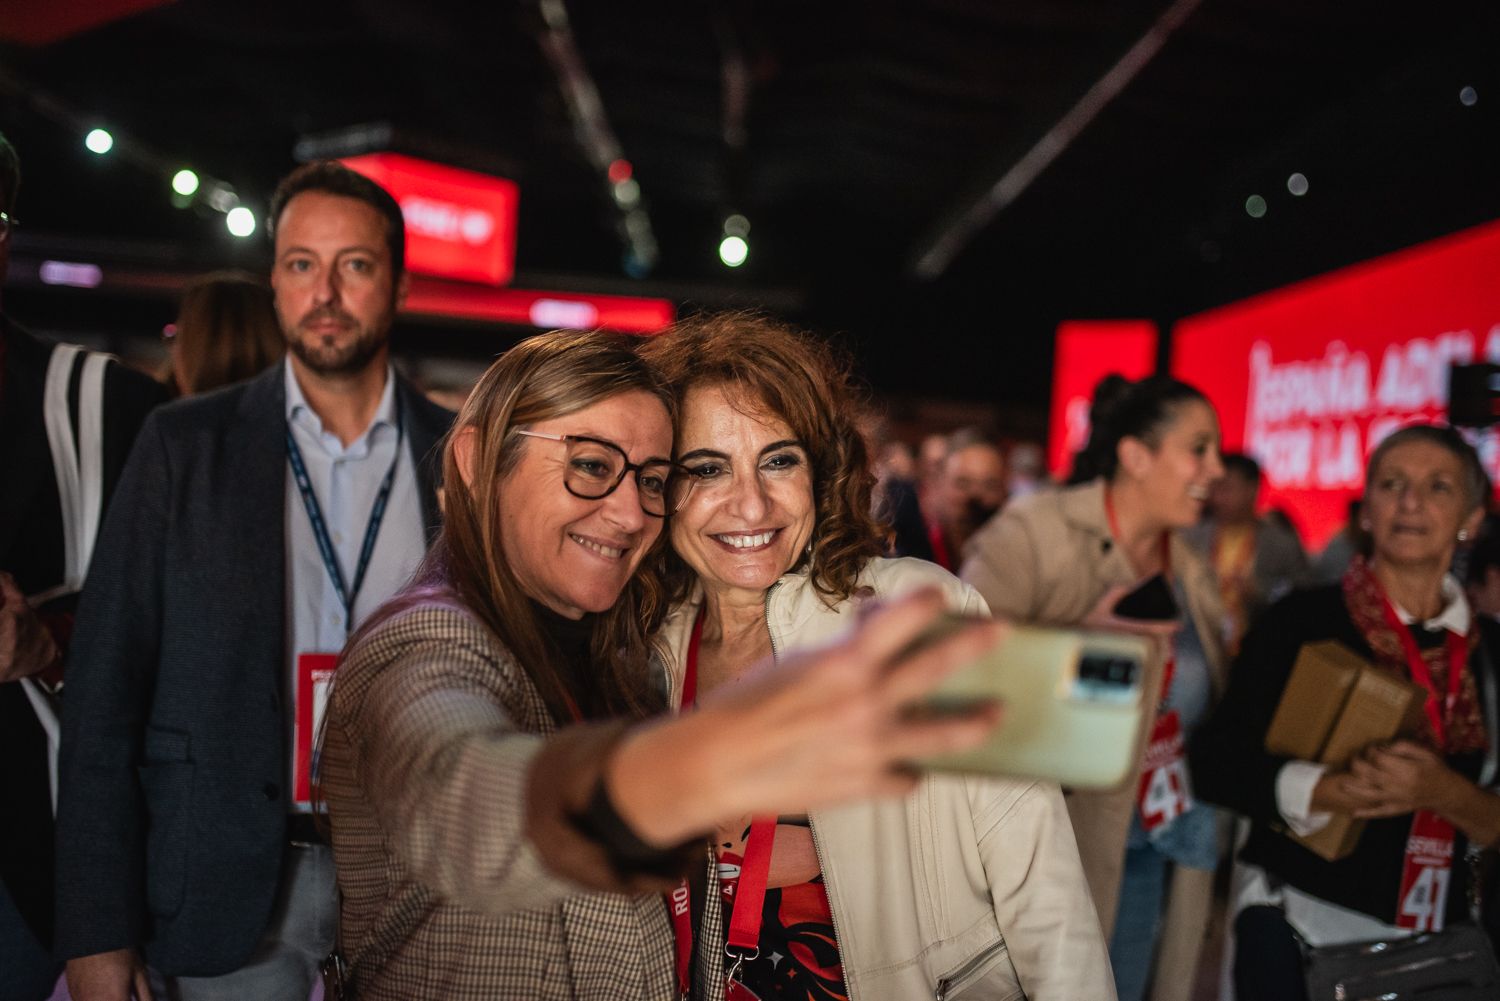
x,y
1073,706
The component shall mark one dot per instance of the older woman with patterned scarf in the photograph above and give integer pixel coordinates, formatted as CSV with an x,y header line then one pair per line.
x,y
1399,610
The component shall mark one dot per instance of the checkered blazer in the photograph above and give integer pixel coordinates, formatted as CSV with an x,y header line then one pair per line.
x,y
462,876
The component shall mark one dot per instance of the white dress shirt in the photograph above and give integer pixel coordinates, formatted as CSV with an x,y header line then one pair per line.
x,y
346,481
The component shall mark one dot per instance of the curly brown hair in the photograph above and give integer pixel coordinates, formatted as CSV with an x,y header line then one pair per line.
x,y
807,384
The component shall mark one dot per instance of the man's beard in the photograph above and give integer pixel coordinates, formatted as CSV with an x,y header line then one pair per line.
x,y
336,359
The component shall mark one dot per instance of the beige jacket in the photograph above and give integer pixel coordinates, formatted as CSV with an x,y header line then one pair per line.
x,y
1048,558
970,888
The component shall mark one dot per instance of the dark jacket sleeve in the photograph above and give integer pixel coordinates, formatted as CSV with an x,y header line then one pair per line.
x,y
1230,765
106,754
129,397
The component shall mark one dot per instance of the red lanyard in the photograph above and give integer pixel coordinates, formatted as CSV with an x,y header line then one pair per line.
x,y
750,896
744,927
940,554
1114,531
690,673
1421,901
679,901
1458,655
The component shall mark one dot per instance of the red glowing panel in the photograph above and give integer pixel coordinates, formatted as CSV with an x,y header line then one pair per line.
x,y
459,224
1087,351
547,310
33,23
1309,378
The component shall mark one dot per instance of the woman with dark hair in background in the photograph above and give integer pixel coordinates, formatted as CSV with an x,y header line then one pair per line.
x,y
971,886
1067,559
226,331
1401,611
505,822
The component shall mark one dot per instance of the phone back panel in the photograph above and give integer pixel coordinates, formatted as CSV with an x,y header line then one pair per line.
x,y
1057,725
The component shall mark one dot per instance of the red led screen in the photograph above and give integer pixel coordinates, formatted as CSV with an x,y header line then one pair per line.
x,y
1087,351
547,310
459,224
1307,379
44,23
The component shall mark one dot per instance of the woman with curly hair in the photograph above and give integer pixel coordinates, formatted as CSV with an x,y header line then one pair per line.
x,y
506,816
969,884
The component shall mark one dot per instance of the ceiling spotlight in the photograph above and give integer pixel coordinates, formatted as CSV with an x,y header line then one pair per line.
x,y
1297,184
1255,206
627,193
185,182
99,141
733,250
220,196
241,221
1468,97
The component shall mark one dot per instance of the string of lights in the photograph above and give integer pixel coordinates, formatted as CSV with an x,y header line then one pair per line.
x,y
187,186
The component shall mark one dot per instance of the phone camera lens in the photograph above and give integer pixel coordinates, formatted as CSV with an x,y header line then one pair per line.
x,y
1118,671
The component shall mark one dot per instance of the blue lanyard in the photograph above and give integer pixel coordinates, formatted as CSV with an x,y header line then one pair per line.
x,y
320,527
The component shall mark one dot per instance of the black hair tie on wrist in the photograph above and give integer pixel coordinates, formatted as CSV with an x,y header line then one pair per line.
x,y
602,823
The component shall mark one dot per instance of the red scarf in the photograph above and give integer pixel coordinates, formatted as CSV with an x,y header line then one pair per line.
x,y
1365,599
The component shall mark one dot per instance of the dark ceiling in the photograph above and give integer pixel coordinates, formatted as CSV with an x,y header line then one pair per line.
x,y
867,129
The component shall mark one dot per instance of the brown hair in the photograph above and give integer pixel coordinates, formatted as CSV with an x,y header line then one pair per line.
x,y
333,178
805,383
226,331
543,377
1123,409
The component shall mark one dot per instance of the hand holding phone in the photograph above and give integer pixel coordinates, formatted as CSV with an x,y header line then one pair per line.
x,y
1073,706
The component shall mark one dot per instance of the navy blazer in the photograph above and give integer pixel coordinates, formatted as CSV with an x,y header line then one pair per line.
x,y
172,815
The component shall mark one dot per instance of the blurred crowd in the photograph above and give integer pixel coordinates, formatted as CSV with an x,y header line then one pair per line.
x,y
601,686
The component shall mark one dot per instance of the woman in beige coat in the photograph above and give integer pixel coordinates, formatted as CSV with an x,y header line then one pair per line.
x,y
1066,559
969,888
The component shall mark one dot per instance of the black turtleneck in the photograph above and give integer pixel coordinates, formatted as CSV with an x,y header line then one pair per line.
x,y
572,639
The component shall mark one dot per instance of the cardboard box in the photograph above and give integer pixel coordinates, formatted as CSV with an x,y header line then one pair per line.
x,y
1334,706
1314,696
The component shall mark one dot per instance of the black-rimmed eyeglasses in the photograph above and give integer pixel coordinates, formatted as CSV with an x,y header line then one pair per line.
x,y
596,468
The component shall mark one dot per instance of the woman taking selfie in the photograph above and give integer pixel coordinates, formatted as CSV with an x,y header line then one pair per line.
x,y
1109,554
970,884
1399,610
505,817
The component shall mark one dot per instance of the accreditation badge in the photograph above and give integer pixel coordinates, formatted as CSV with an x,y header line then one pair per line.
x,y
1425,873
314,682
1164,793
